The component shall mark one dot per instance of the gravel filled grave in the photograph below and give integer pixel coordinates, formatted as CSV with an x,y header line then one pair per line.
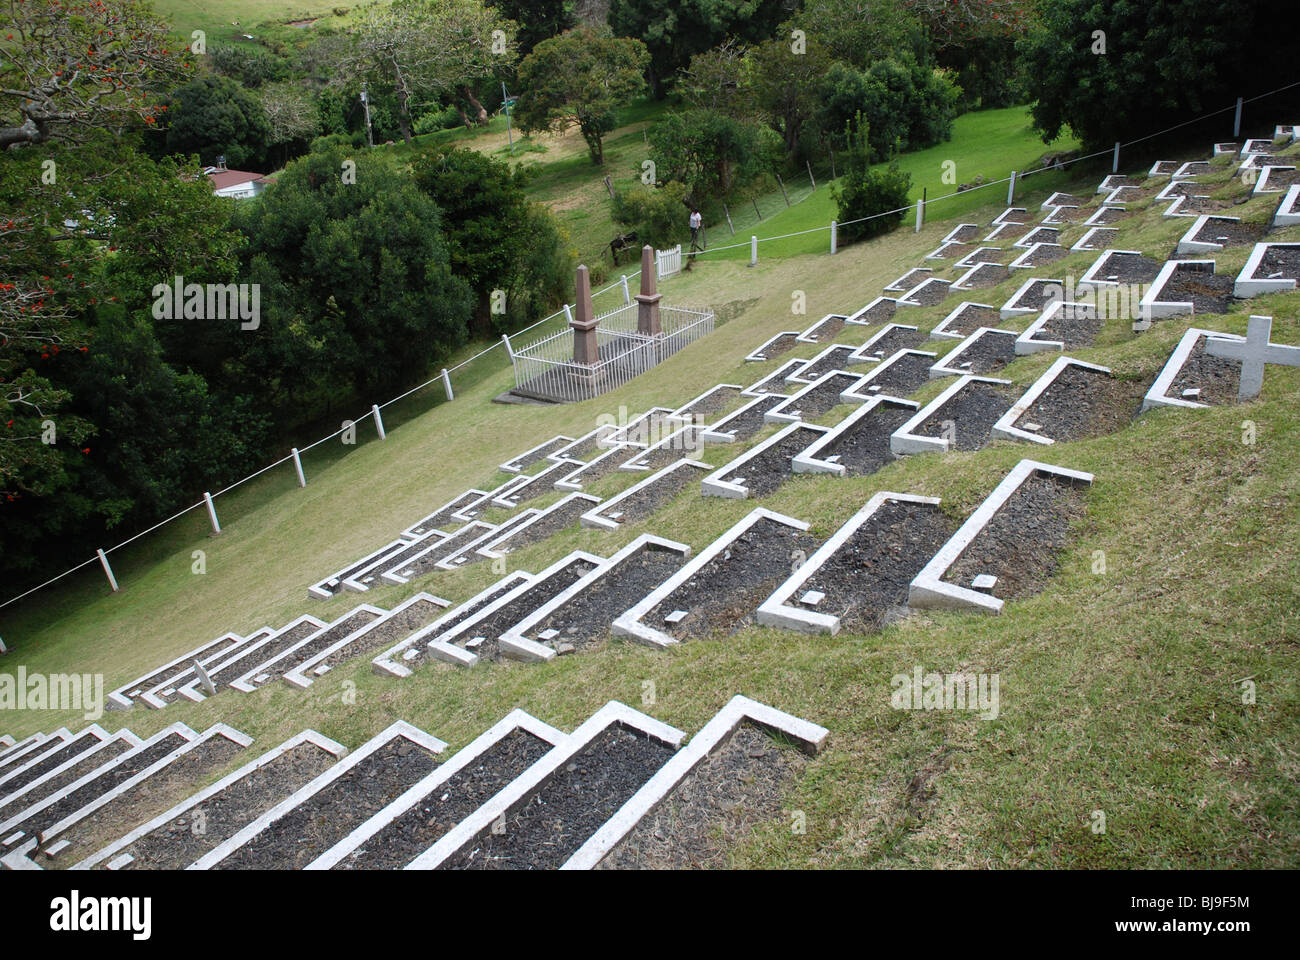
x,y
746,424
910,372
929,293
1280,262
836,360
236,668
393,629
451,801
910,279
320,821
560,518
648,499
12,804
865,447
1228,232
1101,238
972,412
994,255
993,350
1039,294
774,382
1207,292
1128,268
985,275
1020,544
57,757
827,328
146,800
823,397
1044,254
408,565
559,818
586,618
766,471
971,317
1218,378
179,842
738,786
506,616
782,344
710,405
866,581
1042,235
1108,215
211,651
441,518
541,453
325,638
603,465
880,312
1072,326
414,655
71,802
965,233
726,591
1083,403
1194,204
895,339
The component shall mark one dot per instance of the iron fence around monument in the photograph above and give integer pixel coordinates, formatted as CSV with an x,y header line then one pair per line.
x,y
545,370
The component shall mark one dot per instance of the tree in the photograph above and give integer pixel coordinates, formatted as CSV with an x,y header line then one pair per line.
x,y
213,116
718,80
905,106
653,214
860,32
497,239
291,114
710,153
785,87
73,67
870,202
578,79
538,20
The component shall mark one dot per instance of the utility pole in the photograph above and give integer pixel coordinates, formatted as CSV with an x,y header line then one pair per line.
x,y
508,105
365,102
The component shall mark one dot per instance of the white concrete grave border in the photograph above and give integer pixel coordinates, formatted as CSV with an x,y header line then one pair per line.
x,y
1151,307
1110,183
813,333
515,465
11,751
789,409
943,367
772,382
400,729
1096,221
929,591
1249,284
995,235
857,318
909,281
778,611
974,258
109,854
516,643
1255,145
356,581
498,547
6,742
591,437
1263,186
1022,262
122,736
1194,168
1009,310
861,392
739,710
243,741
471,510
1175,208
1028,342
967,280
1056,218
1032,237
717,433
162,693
300,676
539,774
472,532
629,624
94,731
25,748
866,353
1288,211
941,331
544,478
621,434
442,646
797,375
1011,215
758,356
1005,427
1085,242
387,663
685,441
1187,244
1222,150
715,486
330,586
573,480
952,234
1163,168
22,816
190,690
1158,395
1060,199
597,516
906,299
424,527
941,252
683,415
905,440
514,720
810,459
463,556
124,696
1172,189
1092,277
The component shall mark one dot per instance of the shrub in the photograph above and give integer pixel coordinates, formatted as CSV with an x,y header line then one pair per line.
x,y
863,192
657,216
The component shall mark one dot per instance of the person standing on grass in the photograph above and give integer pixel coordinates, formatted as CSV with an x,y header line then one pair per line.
x,y
697,223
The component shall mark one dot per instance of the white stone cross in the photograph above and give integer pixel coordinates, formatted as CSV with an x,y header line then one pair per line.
x,y
1253,352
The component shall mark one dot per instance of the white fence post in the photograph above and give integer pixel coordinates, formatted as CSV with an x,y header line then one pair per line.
x,y
627,295
505,338
446,383
212,512
108,571
1114,167
918,217
834,236
568,315
1236,124
753,251
297,465
1011,189
379,421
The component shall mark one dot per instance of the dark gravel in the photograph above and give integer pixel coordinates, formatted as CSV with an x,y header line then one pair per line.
x,y
987,275
774,382
47,761
671,449
1074,327
953,251
912,278
1102,239
971,318
782,344
319,822
1040,294
393,629
1208,292
443,550
1228,232
882,312
540,454
1043,235
1283,260
928,294
545,831
725,592
707,407
158,678
766,471
1045,254
866,581
823,397
560,518
967,233
13,804
175,845
282,641
1218,378
985,255
751,421
1083,403
325,638
603,465
838,359
972,412
1020,544
992,351
909,373
1107,215
895,339
865,448
1128,268
741,784
497,591
438,519
650,498
828,328
450,802
506,616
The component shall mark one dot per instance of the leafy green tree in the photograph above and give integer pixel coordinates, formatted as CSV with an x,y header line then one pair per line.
x,y
538,20
497,239
785,86
905,105
861,192
248,63
578,79
711,153
214,116
655,215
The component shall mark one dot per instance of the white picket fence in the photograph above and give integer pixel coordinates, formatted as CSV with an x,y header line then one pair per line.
x,y
668,263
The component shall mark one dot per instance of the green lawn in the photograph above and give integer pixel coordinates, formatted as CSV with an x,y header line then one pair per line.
x,y
1121,690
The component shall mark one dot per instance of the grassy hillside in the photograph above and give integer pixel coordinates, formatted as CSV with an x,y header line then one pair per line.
x,y
1120,691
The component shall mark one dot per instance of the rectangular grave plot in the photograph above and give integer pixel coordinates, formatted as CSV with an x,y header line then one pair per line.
x,y
1164,168
1039,255
123,696
23,748
966,420
444,516
231,669
745,422
929,293
723,594
963,233
273,667
44,762
1215,380
640,429
1106,216
1005,232
879,310
573,804
585,447
949,251
813,400
538,484
903,373
737,787
685,442
771,349
860,444
1067,199
1016,215
521,463
303,833
1061,326
111,775
1271,268
449,802
1120,266
761,471
469,552
984,351
965,320
245,795
1096,238
346,578
1072,214
367,576
708,405
1020,544
981,276
418,612
910,279
1033,297
418,563
1081,402
1214,233
59,779
774,382
642,499
151,796
824,329
598,467
834,357
979,255
561,515
886,343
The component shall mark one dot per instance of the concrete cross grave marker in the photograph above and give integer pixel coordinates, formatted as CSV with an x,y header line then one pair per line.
x,y
205,682
1253,352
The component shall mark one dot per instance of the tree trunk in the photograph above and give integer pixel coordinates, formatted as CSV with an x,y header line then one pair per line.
x,y
482,317
464,118
403,115
481,115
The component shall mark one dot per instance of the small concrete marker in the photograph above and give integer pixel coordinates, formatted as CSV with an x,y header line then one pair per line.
x,y
677,616
812,598
985,582
117,863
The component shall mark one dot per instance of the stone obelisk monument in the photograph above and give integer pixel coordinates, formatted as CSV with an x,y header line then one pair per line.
x,y
647,313
586,349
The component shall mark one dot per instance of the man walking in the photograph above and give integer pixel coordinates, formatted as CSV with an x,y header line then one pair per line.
x,y
697,223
